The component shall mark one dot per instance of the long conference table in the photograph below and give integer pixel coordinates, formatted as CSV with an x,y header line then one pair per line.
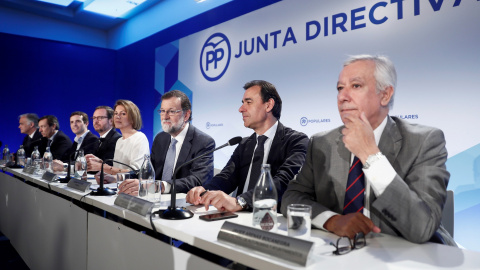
x,y
55,227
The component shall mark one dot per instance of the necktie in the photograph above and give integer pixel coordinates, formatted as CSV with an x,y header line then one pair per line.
x,y
169,161
354,194
49,143
257,162
101,141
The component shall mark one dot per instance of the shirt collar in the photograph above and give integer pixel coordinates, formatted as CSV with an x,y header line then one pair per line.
x,y
270,133
106,133
79,139
53,136
181,136
379,130
33,134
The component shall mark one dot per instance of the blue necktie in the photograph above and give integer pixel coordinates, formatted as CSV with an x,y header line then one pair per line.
x,y
169,161
354,193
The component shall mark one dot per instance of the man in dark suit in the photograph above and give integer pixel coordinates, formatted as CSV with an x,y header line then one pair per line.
x,y
178,143
54,138
84,140
28,124
284,150
396,169
103,124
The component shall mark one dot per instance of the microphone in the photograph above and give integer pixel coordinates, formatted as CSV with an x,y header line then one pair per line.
x,y
106,191
173,212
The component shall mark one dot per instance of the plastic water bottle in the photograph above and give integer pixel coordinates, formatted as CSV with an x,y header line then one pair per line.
x,y
265,202
21,156
6,154
36,161
47,160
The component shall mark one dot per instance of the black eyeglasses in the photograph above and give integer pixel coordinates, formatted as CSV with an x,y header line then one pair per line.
x,y
99,118
345,245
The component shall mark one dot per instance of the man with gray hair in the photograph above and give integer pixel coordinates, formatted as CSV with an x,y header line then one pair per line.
x,y
376,173
28,124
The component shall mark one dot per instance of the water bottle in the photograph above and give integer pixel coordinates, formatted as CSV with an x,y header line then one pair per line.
x,y
6,154
265,202
48,160
36,161
148,188
80,164
21,156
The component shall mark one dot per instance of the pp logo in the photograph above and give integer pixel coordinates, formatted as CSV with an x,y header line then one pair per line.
x,y
208,125
303,121
215,57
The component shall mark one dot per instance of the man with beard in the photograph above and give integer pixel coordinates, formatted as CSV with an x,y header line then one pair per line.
x,y
103,124
178,143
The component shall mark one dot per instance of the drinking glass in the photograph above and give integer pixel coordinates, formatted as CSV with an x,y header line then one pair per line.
x,y
80,166
151,190
122,177
299,220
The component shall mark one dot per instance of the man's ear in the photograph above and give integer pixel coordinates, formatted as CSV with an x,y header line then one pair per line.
x,y
270,104
387,95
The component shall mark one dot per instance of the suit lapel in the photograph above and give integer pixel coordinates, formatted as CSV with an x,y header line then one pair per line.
x,y
341,166
245,161
390,141
186,146
277,144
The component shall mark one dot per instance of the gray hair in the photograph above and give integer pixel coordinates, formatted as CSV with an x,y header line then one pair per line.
x,y
385,73
31,118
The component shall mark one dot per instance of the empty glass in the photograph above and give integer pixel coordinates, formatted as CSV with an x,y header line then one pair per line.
x,y
299,220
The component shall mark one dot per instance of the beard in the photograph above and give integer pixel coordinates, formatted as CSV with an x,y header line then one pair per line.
x,y
173,128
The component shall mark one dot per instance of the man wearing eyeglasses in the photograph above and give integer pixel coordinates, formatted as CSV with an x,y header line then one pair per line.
x,y
376,173
103,124
178,143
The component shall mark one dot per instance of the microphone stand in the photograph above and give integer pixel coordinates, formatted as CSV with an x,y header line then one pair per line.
x,y
101,191
68,177
173,212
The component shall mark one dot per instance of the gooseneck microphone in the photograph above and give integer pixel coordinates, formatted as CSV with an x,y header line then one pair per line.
x,y
173,212
106,191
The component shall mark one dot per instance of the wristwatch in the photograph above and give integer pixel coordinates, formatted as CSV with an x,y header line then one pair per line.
x,y
241,201
371,159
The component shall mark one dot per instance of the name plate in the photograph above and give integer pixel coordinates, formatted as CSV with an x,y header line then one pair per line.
x,y
134,204
49,176
79,185
28,170
281,246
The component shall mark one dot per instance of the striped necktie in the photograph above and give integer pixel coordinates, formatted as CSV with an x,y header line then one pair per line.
x,y
354,194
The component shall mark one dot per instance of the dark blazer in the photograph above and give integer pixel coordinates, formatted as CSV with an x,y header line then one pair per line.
x,y
60,144
29,144
411,205
106,150
286,157
195,144
89,146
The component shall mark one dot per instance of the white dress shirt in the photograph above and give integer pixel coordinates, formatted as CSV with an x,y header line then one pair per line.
x,y
378,176
270,133
180,139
